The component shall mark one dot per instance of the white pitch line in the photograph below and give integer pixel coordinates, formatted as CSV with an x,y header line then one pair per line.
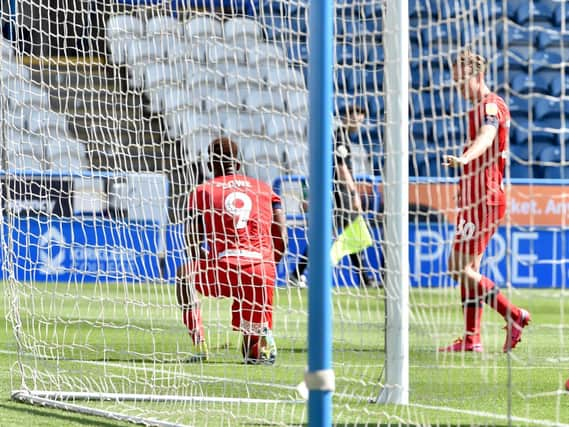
x,y
530,421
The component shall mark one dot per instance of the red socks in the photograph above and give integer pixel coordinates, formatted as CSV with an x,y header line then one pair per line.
x,y
492,296
472,308
193,321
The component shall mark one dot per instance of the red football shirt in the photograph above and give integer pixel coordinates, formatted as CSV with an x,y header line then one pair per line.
x,y
481,179
237,213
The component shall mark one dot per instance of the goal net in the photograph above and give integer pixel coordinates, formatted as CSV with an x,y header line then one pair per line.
x,y
107,110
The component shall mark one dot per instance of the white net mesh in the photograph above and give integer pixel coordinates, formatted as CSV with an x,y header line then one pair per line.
x,y
107,114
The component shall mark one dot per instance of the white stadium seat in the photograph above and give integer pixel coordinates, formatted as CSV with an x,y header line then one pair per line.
x,y
120,31
264,53
6,50
242,123
21,93
219,53
283,77
161,73
175,98
183,51
216,99
23,143
204,26
264,99
195,144
284,126
140,53
243,31
14,70
259,149
197,76
240,75
180,123
162,25
296,101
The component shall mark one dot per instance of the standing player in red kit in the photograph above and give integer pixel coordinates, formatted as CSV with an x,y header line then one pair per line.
x,y
235,236
481,204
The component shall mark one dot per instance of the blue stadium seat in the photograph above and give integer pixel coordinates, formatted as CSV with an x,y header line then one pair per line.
x,y
347,54
487,11
517,37
523,171
549,112
275,27
349,28
560,15
551,154
524,84
423,10
373,80
449,132
442,38
373,10
534,13
543,60
274,7
559,86
552,42
375,56
376,107
520,135
556,172
348,79
297,52
513,6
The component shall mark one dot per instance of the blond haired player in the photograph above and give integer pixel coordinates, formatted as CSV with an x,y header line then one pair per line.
x,y
481,205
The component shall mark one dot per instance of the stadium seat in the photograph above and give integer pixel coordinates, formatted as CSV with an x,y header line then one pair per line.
x,y
296,101
297,52
265,53
203,27
37,121
524,84
560,15
20,142
225,54
161,73
553,42
243,31
261,99
521,171
264,170
139,53
349,28
556,172
559,86
256,148
198,76
283,76
241,124
375,56
550,112
348,54
441,38
120,31
283,126
14,70
22,93
6,50
172,99
165,30
533,13
182,51
59,149
448,132
371,80
424,10
195,144
516,37
275,7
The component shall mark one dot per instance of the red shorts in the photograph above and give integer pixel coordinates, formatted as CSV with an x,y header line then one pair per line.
x,y
475,227
250,286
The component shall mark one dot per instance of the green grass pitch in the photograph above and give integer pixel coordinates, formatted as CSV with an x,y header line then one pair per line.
x,y
79,334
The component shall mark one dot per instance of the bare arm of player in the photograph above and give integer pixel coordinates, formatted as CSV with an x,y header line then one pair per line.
x,y
278,232
345,176
483,141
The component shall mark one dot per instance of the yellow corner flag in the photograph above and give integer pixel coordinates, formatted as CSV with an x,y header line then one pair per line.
x,y
354,238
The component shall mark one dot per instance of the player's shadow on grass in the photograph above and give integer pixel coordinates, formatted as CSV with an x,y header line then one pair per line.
x,y
51,414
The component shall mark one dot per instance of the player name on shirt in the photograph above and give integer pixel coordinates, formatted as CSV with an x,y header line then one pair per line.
x,y
235,183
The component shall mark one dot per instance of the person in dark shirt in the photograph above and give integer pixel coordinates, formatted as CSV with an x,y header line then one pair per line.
x,y
347,199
